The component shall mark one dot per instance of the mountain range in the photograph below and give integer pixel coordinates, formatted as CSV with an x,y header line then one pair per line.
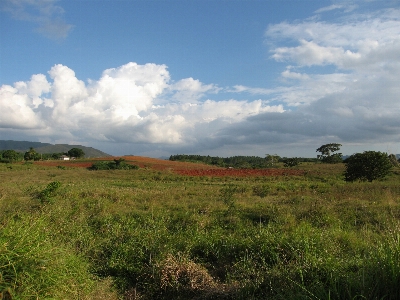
x,y
23,146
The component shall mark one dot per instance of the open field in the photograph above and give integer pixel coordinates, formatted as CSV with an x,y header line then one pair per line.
x,y
174,230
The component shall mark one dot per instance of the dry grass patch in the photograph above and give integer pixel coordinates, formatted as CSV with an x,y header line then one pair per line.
x,y
183,275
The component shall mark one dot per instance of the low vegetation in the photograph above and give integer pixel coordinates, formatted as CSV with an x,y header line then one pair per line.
x,y
146,233
244,162
369,165
117,164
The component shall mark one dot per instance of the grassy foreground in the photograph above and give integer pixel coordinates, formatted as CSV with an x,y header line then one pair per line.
x,y
71,233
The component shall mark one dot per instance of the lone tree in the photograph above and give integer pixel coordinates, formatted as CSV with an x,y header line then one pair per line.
x,y
76,152
31,154
327,155
367,166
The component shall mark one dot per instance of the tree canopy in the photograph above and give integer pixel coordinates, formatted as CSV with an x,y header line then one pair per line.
x,y
11,155
327,155
367,166
31,154
76,152
291,162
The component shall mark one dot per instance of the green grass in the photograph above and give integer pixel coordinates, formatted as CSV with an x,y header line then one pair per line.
x,y
71,233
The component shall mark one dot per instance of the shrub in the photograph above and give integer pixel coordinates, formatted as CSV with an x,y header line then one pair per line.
x,y
291,162
113,165
261,190
227,195
10,155
367,166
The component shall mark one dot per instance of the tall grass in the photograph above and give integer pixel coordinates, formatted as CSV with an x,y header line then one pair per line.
x,y
32,266
157,235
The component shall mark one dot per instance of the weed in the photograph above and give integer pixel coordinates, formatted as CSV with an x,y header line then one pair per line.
x,y
261,190
227,195
46,195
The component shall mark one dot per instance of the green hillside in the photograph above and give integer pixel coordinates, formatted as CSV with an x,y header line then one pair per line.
x,y
43,148
20,146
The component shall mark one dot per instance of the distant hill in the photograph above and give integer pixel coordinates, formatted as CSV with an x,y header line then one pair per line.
x,y
20,146
23,146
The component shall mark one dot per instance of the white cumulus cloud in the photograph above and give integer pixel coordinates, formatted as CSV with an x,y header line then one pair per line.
x,y
129,104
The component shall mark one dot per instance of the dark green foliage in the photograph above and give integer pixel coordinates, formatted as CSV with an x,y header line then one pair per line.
x,y
327,155
242,162
10,155
367,166
51,156
76,152
113,165
249,162
291,162
31,155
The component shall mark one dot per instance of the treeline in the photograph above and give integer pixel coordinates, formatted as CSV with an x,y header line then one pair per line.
x,y
7,155
248,162
13,156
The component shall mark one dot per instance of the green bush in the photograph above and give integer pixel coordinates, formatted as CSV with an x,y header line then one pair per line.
x,y
112,165
291,162
367,166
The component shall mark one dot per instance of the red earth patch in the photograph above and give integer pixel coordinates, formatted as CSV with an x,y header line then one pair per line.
x,y
182,168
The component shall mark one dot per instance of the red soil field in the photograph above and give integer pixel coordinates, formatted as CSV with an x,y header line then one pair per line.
x,y
160,164
182,168
64,163
141,161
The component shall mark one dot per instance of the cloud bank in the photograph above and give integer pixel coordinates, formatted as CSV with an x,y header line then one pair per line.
x,y
339,83
126,105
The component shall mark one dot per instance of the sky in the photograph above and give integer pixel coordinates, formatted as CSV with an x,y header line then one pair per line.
x,y
210,77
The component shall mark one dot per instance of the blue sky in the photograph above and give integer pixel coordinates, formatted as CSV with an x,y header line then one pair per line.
x,y
215,77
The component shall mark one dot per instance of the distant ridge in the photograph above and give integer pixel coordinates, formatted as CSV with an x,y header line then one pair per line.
x,y
23,146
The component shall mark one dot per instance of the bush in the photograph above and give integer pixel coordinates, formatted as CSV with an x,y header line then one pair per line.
x,y
113,165
291,162
367,166
10,156
261,190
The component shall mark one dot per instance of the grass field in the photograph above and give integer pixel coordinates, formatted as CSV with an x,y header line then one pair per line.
x,y
153,233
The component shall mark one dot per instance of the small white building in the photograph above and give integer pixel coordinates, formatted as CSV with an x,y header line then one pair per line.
x,y
64,157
